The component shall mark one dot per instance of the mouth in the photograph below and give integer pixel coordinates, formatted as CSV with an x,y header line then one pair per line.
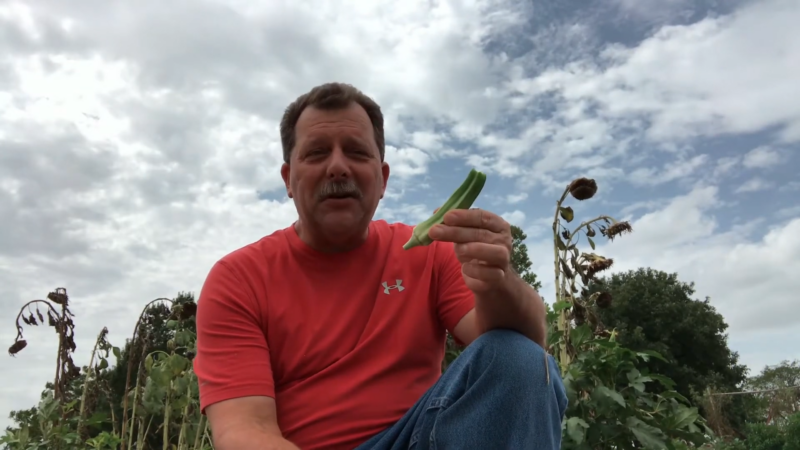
x,y
340,197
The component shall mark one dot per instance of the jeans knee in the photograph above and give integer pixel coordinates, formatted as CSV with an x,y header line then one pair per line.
x,y
515,353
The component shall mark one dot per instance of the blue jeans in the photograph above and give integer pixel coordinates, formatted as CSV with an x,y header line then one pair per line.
x,y
496,395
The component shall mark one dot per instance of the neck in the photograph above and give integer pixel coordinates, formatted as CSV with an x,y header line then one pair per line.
x,y
327,243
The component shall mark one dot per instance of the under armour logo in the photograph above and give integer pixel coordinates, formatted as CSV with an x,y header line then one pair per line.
x,y
387,288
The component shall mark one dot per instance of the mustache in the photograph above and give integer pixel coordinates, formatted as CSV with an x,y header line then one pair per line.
x,y
339,189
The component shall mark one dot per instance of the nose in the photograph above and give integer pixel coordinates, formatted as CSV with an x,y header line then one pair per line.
x,y
338,167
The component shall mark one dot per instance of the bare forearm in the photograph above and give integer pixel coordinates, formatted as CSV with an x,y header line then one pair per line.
x,y
521,309
251,437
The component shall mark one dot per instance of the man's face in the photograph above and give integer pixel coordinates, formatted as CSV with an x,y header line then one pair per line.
x,y
336,176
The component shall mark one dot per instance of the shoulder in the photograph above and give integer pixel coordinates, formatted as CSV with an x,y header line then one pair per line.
x,y
258,253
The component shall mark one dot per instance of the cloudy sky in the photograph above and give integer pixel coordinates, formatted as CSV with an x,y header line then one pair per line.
x,y
139,144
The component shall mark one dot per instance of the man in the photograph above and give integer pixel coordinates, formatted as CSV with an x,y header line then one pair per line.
x,y
328,335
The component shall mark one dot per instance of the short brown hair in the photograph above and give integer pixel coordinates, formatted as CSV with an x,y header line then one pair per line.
x,y
330,96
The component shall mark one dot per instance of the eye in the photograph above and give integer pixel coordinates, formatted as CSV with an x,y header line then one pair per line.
x,y
360,151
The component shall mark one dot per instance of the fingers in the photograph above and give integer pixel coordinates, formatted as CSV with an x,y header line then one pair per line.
x,y
491,255
481,278
475,218
459,235
462,235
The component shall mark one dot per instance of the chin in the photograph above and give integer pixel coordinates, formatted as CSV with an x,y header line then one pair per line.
x,y
344,223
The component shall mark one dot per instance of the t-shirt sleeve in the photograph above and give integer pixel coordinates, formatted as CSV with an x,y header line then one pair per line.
x,y
232,354
455,299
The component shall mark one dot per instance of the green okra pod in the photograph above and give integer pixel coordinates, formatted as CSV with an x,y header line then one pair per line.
x,y
462,198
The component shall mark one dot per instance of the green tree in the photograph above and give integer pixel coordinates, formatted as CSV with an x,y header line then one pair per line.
x,y
778,395
519,257
654,310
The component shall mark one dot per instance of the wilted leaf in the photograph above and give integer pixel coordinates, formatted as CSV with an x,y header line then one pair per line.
x,y
176,364
561,245
566,213
591,242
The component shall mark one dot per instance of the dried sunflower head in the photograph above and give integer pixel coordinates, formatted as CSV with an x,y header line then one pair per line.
x,y
603,300
616,229
599,265
17,346
583,188
59,296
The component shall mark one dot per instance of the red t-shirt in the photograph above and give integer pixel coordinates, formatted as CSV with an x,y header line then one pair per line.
x,y
345,343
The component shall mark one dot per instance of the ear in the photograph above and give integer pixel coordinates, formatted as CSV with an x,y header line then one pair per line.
x,y
385,172
285,171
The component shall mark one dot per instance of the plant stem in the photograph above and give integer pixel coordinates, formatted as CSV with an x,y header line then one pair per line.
x,y
563,326
89,371
198,434
130,366
167,408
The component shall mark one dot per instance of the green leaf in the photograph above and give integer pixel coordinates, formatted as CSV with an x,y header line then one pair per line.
x,y
636,380
176,364
103,364
172,324
580,334
560,306
685,417
644,354
591,242
650,437
117,353
560,244
665,381
566,213
612,394
576,429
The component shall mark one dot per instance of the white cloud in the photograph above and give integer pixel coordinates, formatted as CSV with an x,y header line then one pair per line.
x,y
516,198
761,157
719,76
515,217
406,162
753,185
672,171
